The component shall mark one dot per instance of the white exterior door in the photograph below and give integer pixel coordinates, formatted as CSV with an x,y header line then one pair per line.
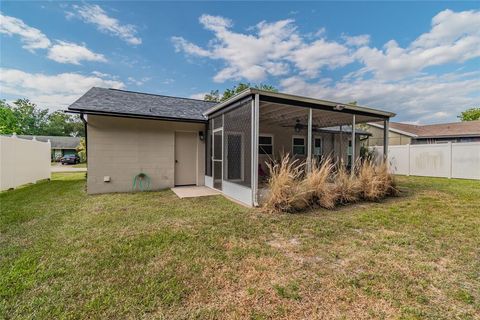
x,y
185,158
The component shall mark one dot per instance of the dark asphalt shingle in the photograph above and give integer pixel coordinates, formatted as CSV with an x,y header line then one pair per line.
x,y
140,104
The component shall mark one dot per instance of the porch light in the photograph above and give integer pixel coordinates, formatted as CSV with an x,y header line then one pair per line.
x,y
338,107
201,135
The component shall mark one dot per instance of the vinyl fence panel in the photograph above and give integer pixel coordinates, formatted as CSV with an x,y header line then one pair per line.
x,y
23,161
449,160
466,160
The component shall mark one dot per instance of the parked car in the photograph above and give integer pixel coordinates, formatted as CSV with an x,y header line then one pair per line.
x,y
70,158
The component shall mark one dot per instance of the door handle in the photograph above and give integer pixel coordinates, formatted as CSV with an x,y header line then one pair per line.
x,y
176,161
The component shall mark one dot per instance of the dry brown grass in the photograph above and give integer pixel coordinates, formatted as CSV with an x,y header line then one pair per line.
x,y
287,192
376,181
347,186
290,190
318,182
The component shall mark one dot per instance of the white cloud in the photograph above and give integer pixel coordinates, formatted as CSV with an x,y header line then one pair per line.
x,y
391,77
53,91
321,53
278,49
138,82
270,49
356,41
252,57
181,44
198,96
68,52
31,37
422,99
94,14
454,37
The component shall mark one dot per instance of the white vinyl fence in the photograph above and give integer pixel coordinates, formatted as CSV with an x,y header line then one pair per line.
x,y
23,161
449,160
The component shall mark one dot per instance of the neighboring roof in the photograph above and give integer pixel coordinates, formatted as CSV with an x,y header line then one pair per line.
x,y
56,142
345,129
445,130
401,128
144,105
299,99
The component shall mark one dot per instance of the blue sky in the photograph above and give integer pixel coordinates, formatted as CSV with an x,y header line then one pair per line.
x,y
420,60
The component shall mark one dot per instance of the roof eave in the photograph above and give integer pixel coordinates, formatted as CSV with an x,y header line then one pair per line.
x,y
131,115
409,134
332,104
469,135
252,91
229,101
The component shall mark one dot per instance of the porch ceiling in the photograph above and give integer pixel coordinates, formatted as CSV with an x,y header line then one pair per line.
x,y
287,115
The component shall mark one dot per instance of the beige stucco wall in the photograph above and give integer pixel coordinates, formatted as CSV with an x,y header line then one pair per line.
x,y
282,142
394,138
121,148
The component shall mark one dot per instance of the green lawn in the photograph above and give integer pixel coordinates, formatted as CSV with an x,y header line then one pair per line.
x,y
64,254
80,165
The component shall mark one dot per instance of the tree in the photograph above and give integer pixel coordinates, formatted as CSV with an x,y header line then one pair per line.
x,y
62,124
24,117
470,114
31,120
214,95
8,121
82,150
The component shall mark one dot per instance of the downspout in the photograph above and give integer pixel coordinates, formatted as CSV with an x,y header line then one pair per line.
x,y
82,117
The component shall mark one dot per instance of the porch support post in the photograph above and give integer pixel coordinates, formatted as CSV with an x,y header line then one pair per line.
x,y
255,134
309,137
386,125
341,145
353,144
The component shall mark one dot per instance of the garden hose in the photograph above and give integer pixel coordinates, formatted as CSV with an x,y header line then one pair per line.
x,y
142,182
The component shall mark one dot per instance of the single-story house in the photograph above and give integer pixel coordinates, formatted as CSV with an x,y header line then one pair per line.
x,y
60,145
178,141
403,133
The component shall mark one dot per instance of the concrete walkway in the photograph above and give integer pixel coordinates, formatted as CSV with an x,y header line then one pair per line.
x,y
194,191
66,168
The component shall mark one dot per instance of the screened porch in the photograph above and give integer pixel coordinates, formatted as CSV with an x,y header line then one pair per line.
x,y
246,132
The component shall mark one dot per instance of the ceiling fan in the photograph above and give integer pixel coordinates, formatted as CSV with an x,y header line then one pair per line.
x,y
300,126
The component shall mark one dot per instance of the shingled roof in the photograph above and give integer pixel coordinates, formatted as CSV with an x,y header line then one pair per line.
x,y
129,103
56,142
453,129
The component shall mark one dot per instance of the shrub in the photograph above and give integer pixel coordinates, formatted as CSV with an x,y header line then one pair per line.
x,y
318,184
287,192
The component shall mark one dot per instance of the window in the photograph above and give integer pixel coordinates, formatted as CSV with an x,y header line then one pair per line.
x,y
265,145
298,146
317,146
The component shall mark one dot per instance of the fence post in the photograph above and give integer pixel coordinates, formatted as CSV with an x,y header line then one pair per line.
x,y
450,150
408,152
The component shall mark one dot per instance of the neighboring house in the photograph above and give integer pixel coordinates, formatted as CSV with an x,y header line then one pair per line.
x,y
403,133
60,145
179,141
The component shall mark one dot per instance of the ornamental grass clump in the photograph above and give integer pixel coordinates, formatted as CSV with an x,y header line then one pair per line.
x,y
287,192
325,185
376,181
318,183
347,186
